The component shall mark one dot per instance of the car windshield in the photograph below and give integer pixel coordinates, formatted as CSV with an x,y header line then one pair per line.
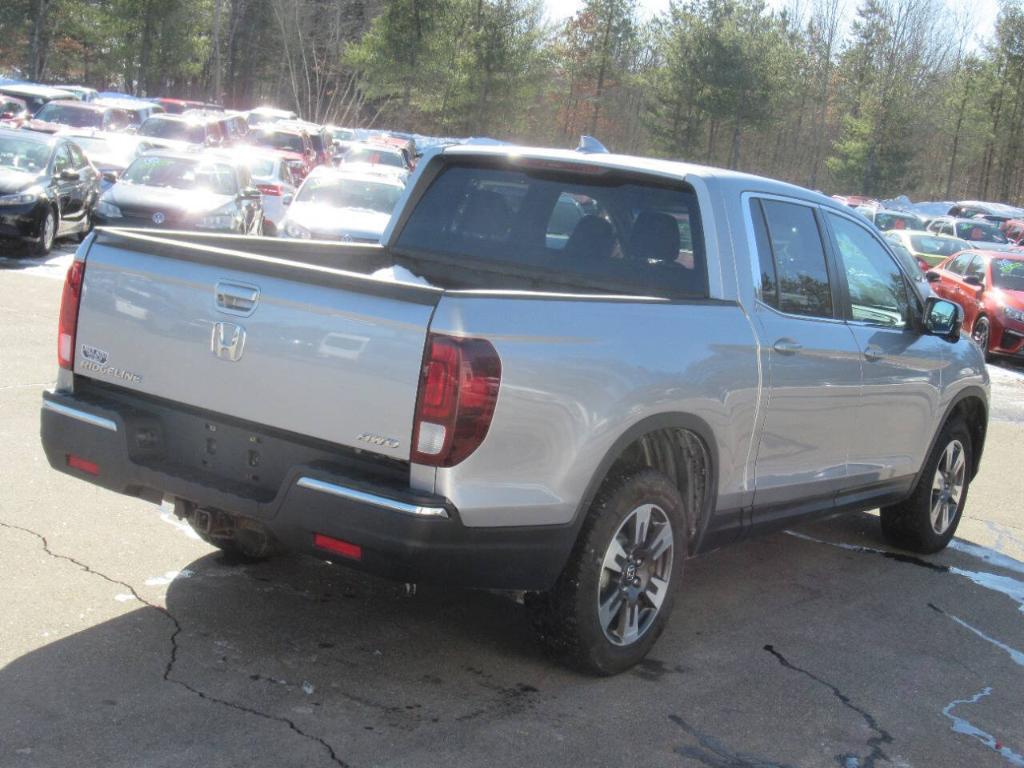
x,y
343,134
65,114
161,128
374,156
980,231
121,150
887,221
938,246
24,155
350,193
1008,274
182,173
291,142
261,166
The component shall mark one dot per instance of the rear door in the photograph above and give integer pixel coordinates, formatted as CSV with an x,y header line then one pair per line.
x,y
901,366
814,375
311,350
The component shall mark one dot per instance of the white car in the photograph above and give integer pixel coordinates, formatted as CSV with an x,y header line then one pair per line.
x,y
271,175
336,205
376,159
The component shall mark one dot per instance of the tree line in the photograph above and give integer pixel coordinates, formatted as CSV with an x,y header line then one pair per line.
x,y
896,100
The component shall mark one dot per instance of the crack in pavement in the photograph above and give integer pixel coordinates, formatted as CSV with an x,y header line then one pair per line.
x,y
714,754
174,648
876,742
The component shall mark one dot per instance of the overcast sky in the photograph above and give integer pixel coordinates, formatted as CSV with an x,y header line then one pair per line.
x,y
985,11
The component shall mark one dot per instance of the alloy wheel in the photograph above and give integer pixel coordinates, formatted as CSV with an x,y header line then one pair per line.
x,y
635,575
948,486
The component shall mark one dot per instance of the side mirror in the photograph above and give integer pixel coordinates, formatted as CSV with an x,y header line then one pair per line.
x,y
110,176
932,276
251,193
287,199
942,318
975,281
68,175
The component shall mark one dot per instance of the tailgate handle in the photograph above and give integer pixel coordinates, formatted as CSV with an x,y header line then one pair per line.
x,y
237,298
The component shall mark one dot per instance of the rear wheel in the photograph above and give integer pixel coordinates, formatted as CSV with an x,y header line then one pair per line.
x,y
981,334
612,601
927,520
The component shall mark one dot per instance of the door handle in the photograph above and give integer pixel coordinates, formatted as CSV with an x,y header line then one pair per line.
x,y
787,347
237,298
873,353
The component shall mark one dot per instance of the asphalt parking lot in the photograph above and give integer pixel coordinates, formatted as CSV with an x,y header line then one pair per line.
x,y
126,641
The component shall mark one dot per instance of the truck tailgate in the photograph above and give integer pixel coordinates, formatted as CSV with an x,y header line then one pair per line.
x,y
318,351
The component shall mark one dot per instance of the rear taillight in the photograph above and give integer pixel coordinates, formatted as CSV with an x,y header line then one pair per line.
x,y
68,324
458,391
275,190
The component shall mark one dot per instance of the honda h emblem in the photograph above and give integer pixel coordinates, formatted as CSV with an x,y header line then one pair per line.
x,y
227,341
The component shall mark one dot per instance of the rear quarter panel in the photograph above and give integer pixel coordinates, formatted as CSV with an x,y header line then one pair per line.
x,y
576,375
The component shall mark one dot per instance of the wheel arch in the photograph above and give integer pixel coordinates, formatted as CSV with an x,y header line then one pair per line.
x,y
970,404
680,445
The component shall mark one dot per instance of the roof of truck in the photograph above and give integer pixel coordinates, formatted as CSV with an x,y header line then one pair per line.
x,y
742,182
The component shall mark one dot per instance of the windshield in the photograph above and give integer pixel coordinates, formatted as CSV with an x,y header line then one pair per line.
x,y
343,134
980,231
938,246
161,128
261,166
65,114
120,151
1008,274
291,142
182,173
351,193
887,221
29,156
374,156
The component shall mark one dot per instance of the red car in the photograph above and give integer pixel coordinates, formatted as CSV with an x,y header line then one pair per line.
x,y
294,145
989,286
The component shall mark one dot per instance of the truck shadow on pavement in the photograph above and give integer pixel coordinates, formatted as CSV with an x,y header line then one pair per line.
x,y
814,649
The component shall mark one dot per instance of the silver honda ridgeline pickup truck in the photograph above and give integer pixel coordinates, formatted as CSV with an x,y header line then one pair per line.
x,y
561,374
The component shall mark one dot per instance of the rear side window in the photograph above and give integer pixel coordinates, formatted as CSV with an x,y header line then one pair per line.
x,y
590,228
801,276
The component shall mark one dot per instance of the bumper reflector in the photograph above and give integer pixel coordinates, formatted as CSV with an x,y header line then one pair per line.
x,y
344,548
83,465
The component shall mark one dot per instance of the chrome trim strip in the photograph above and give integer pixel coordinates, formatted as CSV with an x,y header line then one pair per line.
x,y
371,498
74,413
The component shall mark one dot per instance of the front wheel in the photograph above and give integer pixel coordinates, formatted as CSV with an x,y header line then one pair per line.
x,y
927,520
981,333
47,233
615,595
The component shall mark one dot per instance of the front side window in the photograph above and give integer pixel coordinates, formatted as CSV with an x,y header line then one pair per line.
x,y
799,259
878,290
578,226
62,161
959,265
976,268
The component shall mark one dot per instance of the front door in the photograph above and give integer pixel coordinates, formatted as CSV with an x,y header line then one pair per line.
x,y
901,366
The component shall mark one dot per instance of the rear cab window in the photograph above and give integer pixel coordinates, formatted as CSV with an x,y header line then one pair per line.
x,y
560,225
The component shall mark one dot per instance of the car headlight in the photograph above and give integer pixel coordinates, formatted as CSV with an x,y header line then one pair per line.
x,y
291,229
108,210
22,198
225,217
1014,314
